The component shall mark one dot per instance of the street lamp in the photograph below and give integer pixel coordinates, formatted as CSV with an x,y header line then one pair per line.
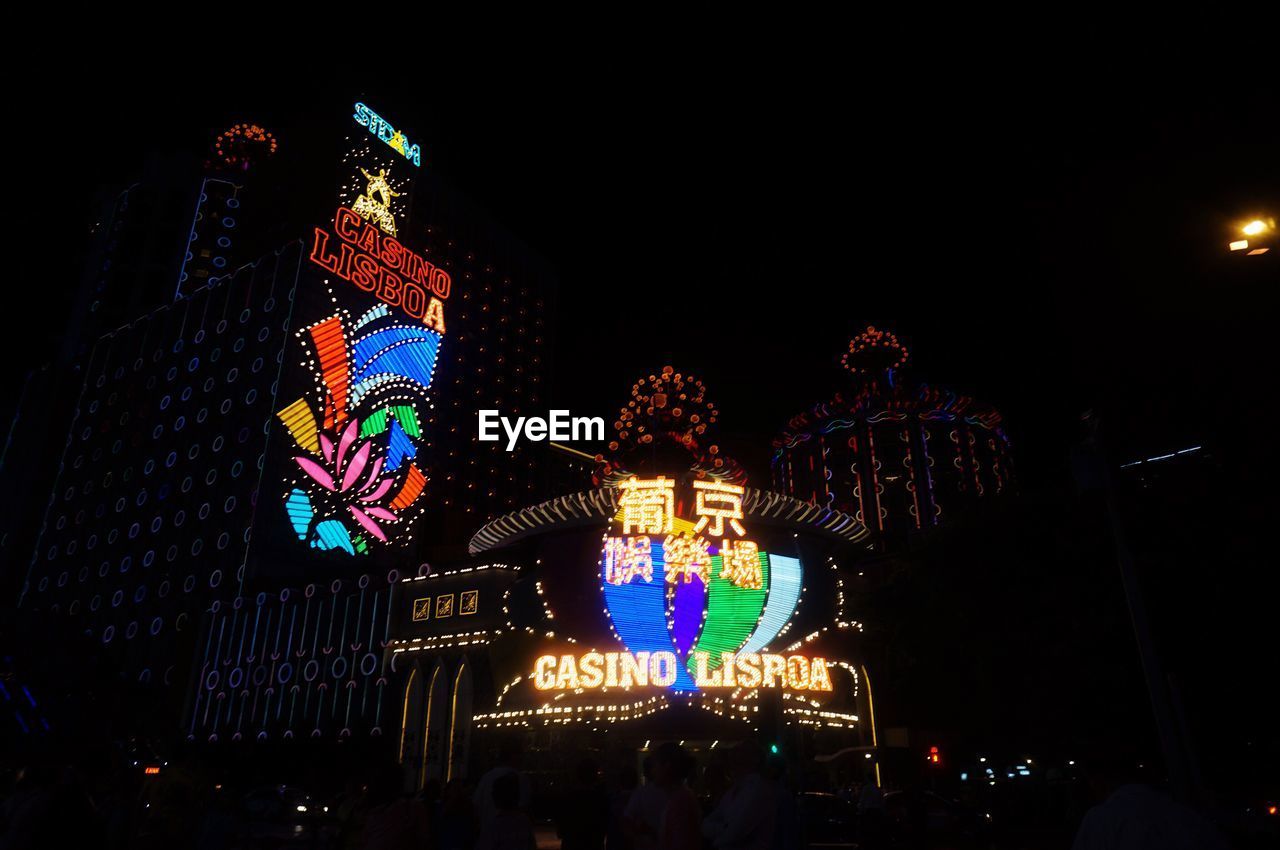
x,y
1259,229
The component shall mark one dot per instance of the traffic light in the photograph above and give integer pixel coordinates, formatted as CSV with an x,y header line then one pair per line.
x,y
935,757
773,748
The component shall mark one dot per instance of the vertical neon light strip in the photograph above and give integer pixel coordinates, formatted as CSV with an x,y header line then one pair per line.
x,y
404,714
453,719
331,349
690,600
784,592
638,611
426,727
732,611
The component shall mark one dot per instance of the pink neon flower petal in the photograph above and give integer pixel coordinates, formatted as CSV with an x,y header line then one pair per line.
x,y
358,462
367,522
381,513
348,437
379,491
373,474
326,446
317,472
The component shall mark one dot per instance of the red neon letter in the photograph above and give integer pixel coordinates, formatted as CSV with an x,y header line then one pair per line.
x,y
344,222
440,282
364,272
326,261
413,299
389,291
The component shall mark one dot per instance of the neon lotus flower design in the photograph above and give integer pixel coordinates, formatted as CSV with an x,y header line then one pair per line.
x,y
348,492
354,479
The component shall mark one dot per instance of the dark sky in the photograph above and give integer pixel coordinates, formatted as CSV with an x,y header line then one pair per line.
x,y
1046,245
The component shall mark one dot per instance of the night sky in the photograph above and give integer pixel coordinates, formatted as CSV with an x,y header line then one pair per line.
x,y
1047,252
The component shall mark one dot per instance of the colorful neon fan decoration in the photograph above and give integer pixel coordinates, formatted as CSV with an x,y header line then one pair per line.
x,y
356,475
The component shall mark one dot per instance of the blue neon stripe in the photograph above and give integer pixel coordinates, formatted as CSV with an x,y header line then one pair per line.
x,y
399,447
638,610
298,507
784,593
332,534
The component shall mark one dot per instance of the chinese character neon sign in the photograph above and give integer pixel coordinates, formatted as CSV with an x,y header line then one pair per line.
x,y
393,138
694,590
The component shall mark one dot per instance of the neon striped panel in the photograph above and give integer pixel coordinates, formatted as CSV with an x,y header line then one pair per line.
x,y
784,592
399,448
331,350
638,610
374,423
395,352
688,604
301,422
298,506
413,484
732,611
408,419
332,534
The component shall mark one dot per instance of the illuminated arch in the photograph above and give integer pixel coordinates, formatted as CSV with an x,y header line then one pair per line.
x,y
459,719
436,710
412,707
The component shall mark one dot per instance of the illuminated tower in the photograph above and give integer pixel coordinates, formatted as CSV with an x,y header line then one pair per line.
x,y
900,455
216,238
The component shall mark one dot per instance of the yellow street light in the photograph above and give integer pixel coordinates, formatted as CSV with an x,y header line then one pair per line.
x,y
1254,227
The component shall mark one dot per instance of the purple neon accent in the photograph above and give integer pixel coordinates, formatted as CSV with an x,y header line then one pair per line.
x,y
686,613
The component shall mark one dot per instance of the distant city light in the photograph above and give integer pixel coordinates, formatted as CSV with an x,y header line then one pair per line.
x,y
1161,457
1254,227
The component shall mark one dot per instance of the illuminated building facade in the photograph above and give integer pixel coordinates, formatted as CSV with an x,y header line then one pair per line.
x,y
252,465
671,596
898,455
151,515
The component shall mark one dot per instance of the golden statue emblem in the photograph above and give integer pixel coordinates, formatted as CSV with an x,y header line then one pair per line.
x,y
375,204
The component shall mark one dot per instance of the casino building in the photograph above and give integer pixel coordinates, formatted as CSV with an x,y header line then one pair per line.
x,y
254,463
272,517
899,455
671,601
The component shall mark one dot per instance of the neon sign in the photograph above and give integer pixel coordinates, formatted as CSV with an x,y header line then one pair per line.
x,y
394,139
375,203
376,263
660,669
697,590
355,477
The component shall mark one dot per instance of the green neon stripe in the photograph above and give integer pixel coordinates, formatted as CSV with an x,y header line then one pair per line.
x,y
408,419
732,613
376,423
